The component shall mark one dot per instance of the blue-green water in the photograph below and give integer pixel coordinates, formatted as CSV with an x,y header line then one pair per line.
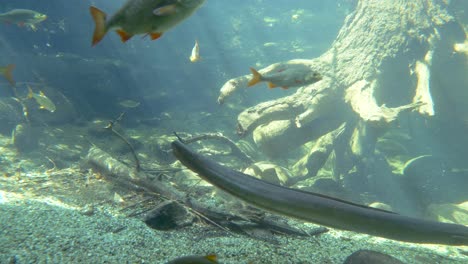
x,y
231,40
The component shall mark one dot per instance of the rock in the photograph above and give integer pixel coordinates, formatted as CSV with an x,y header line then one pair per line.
x,y
451,213
268,137
186,178
279,137
168,215
269,172
431,182
160,147
97,129
25,138
328,186
364,256
10,114
382,206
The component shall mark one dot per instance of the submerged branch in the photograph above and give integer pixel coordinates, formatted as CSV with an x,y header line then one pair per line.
x,y
116,171
110,126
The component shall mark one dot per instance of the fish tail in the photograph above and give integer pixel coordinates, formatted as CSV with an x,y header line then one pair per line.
x,y
30,92
99,18
257,77
8,73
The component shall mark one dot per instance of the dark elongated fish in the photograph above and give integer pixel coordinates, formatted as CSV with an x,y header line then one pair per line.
x,y
319,208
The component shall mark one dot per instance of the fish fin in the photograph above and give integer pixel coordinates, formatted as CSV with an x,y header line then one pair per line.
x,y
124,36
155,35
165,10
32,27
211,257
99,18
257,77
272,85
8,73
30,92
194,59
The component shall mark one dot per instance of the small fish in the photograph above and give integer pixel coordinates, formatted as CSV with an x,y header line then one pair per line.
x,y
195,56
286,75
129,103
7,72
23,17
209,259
42,100
149,17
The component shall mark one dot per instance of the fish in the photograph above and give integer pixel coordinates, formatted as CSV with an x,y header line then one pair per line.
x,y
129,103
42,100
320,209
208,259
149,17
286,75
23,17
7,72
195,56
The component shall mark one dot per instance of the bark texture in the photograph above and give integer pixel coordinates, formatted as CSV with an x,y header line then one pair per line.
x,y
386,60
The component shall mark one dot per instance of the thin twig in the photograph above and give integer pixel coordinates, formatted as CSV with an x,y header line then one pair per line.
x,y
110,126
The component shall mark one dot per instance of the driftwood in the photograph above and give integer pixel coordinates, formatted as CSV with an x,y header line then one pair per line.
x,y
118,172
386,60
311,163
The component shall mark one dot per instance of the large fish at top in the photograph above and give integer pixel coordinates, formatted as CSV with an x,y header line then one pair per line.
x,y
150,17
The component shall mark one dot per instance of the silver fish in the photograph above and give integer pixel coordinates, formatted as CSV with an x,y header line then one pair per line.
x,y
23,17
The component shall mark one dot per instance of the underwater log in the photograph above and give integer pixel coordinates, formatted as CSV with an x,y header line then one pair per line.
x,y
321,209
120,173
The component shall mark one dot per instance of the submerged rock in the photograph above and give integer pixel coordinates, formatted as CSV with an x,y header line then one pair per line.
x,y
365,256
24,138
10,114
430,181
382,206
169,215
269,172
452,213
